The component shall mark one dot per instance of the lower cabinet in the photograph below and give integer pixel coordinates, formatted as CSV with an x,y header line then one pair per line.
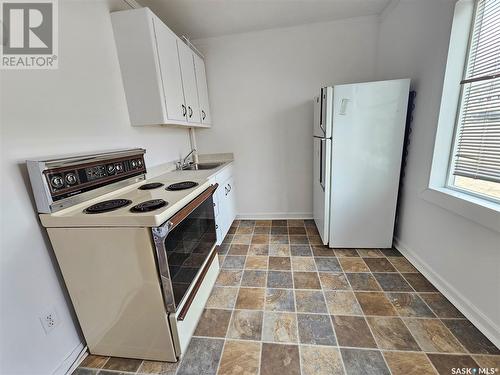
x,y
224,201
227,206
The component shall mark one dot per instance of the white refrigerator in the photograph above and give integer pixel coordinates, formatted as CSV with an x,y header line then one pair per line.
x,y
358,143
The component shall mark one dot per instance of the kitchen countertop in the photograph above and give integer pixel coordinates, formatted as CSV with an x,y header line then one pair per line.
x,y
76,217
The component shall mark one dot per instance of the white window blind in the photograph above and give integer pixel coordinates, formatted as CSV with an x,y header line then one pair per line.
x,y
477,151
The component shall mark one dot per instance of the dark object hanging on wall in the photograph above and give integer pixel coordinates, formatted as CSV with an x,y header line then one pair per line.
x,y
406,146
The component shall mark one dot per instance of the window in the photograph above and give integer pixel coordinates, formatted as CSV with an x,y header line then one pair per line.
x,y
475,159
465,171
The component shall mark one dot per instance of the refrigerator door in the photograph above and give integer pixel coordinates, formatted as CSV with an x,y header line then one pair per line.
x,y
321,185
323,113
368,128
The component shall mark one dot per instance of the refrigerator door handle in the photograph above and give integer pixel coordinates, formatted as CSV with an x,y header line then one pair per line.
x,y
322,163
321,106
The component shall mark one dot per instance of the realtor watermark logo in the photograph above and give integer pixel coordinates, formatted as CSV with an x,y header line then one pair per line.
x,y
474,370
30,34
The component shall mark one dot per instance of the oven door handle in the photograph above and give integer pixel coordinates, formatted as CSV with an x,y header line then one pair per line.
x,y
190,207
197,285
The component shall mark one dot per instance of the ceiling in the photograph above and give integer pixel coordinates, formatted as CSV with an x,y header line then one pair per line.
x,y
207,18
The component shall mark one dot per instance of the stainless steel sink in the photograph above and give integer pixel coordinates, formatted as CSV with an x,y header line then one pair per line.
x,y
207,165
203,166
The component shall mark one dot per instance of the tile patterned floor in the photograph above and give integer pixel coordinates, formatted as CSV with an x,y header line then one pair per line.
x,y
285,304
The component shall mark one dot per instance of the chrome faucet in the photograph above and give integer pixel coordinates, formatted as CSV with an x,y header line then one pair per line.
x,y
181,164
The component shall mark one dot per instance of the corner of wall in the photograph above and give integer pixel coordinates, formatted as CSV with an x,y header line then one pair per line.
x,y
71,362
387,10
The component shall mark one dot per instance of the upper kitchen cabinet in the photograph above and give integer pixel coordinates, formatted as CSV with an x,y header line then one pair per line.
x,y
163,81
189,82
201,83
169,73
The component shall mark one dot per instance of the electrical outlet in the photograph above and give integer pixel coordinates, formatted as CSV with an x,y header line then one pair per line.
x,y
49,320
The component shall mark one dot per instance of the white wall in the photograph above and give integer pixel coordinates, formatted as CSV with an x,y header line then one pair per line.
x,y
261,86
79,107
460,255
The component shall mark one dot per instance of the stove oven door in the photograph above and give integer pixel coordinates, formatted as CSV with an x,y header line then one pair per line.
x,y
184,245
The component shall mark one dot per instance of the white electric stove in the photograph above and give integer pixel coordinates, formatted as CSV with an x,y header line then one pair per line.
x,y
137,255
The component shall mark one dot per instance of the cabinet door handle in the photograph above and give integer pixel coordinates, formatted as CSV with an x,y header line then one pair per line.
x,y
226,190
203,115
183,110
216,226
229,187
190,112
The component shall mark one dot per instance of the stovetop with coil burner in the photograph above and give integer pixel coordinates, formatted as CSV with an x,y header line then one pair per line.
x,y
183,185
131,206
142,207
132,203
151,186
106,206
148,206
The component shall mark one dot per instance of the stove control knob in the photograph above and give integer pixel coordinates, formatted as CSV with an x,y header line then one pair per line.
x,y
139,162
119,167
133,164
111,168
70,178
57,181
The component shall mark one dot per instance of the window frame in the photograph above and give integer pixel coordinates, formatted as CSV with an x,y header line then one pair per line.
x,y
463,202
458,119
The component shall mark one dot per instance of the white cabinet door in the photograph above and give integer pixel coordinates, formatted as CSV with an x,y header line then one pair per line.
x,y
231,203
218,217
219,225
222,218
227,207
168,58
219,214
189,82
201,81
225,211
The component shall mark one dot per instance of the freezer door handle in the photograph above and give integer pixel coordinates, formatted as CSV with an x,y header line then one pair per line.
x,y
322,163
322,100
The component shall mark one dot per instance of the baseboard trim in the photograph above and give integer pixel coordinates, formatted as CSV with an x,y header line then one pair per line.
x,y
481,321
274,215
72,361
